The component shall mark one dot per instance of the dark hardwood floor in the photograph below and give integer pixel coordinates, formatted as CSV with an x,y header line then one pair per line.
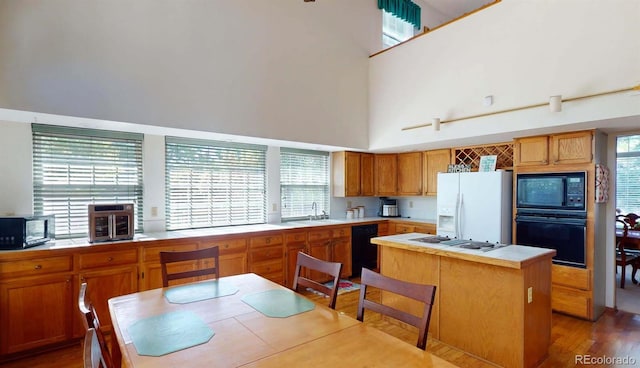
x,y
615,335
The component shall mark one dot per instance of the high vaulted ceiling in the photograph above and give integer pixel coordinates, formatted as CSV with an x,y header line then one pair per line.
x,y
448,10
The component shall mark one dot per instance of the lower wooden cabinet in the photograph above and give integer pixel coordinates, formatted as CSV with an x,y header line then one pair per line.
x,y
266,257
294,243
106,283
571,291
331,245
233,254
151,272
39,289
35,312
571,301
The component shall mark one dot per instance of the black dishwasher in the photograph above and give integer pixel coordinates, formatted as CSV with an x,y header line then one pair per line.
x,y
363,253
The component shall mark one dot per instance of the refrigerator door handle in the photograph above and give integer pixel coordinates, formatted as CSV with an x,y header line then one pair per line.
x,y
459,216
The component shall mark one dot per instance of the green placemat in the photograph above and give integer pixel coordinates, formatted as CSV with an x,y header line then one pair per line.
x,y
278,303
199,291
169,332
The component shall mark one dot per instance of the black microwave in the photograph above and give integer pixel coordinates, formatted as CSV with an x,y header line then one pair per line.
x,y
19,232
551,191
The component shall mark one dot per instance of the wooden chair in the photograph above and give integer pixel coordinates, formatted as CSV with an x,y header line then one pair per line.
x,y
93,354
625,256
422,293
92,323
167,258
331,268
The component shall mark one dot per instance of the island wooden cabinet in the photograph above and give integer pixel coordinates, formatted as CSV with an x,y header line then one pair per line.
x,y
352,174
555,149
434,162
386,174
410,174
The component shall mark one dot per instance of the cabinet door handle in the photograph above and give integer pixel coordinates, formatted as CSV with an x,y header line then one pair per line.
x,y
38,267
110,259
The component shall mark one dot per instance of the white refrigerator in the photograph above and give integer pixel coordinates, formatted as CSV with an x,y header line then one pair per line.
x,y
475,205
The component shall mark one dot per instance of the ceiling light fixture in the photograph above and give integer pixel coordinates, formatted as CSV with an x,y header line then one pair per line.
x,y
555,103
634,88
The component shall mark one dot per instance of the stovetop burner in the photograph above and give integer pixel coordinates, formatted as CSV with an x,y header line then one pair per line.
x,y
432,239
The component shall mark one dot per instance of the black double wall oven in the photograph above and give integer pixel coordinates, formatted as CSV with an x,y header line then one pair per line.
x,y
551,213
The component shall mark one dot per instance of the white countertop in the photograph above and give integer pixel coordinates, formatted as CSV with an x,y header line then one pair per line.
x,y
224,230
514,256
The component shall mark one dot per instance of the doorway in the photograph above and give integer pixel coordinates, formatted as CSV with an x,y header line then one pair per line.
x,y
628,201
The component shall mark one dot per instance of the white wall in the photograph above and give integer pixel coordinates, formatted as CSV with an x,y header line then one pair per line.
x,y
521,52
16,185
279,69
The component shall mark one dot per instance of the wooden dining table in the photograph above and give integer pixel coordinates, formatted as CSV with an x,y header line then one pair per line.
x,y
245,337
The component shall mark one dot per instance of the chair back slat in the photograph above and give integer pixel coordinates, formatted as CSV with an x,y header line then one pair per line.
x,y
311,263
92,323
93,356
422,293
167,258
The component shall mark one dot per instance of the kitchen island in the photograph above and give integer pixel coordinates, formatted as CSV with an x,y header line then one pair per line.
x,y
494,302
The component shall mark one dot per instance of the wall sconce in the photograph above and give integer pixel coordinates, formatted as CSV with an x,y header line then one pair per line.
x,y
555,103
436,123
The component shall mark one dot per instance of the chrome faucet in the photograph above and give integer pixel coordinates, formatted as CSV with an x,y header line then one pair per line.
x,y
314,207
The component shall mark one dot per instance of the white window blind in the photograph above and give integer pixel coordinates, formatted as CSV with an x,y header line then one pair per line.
x,y
211,183
395,30
75,167
304,179
628,174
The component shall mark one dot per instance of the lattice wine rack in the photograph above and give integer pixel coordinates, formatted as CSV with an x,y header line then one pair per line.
x,y
471,155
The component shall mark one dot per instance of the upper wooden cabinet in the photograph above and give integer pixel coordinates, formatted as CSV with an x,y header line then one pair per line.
x,y
352,174
410,173
367,185
531,151
571,148
405,174
556,149
434,162
386,174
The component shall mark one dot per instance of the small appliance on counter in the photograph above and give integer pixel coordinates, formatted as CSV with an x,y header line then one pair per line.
x,y
388,207
19,232
108,222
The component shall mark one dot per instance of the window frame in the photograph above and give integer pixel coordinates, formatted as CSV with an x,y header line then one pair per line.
x,y
99,167
626,158
303,208
215,203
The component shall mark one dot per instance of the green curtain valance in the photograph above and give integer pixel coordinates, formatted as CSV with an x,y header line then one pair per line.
x,y
406,10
